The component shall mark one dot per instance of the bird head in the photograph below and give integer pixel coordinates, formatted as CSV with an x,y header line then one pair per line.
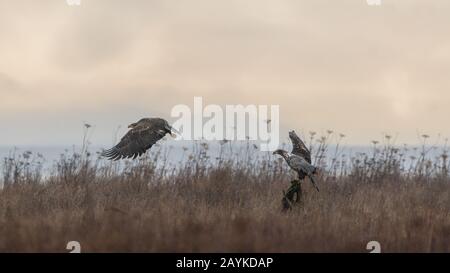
x,y
280,152
132,125
170,130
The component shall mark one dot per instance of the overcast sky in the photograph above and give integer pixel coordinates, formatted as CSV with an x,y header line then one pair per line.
x,y
344,65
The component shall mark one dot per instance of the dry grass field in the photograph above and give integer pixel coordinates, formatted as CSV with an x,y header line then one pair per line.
x,y
233,206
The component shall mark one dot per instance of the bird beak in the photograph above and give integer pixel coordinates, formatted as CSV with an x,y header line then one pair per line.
x,y
171,131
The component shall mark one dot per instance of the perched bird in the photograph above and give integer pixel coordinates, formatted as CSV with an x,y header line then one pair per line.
x,y
299,159
140,138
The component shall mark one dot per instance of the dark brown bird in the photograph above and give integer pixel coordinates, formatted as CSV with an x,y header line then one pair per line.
x,y
142,136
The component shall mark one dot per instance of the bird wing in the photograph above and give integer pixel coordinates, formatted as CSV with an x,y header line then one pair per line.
x,y
299,148
135,143
298,163
303,168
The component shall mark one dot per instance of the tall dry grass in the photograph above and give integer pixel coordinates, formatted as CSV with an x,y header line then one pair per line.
x,y
232,205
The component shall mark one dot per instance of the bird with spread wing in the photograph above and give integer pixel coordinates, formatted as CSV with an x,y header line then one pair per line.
x,y
141,137
299,159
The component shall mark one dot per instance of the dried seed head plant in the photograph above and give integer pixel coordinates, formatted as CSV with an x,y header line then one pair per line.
x,y
397,195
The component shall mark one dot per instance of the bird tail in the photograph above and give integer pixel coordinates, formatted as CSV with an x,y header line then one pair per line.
x,y
313,182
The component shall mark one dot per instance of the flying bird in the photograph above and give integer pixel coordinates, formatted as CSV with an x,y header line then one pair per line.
x,y
299,159
141,137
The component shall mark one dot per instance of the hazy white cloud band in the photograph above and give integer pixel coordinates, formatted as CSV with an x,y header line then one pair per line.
x,y
343,65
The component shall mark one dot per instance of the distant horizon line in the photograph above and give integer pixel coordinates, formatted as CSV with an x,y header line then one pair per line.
x,y
184,142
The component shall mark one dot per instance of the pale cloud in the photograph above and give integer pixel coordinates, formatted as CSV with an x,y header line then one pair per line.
x,y
329,64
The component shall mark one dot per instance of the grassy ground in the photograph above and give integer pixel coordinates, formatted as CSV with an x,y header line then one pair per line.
x,y
232,206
